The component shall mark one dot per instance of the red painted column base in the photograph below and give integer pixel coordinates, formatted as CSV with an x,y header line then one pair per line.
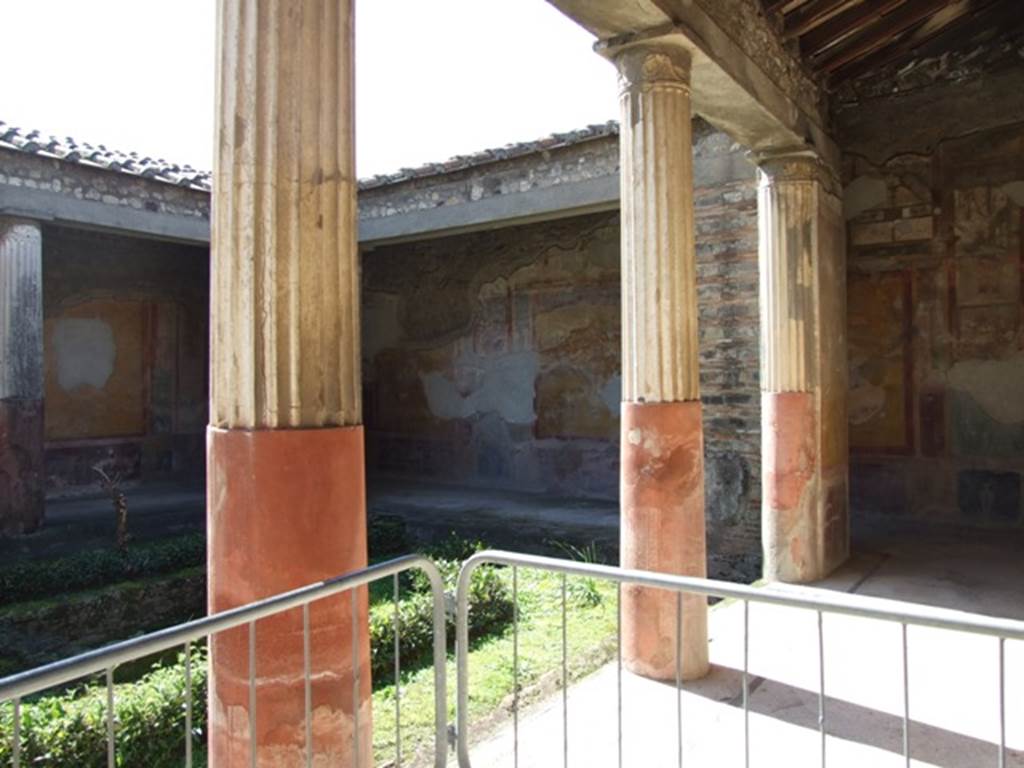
x,y
22,471
287,508
791,525
662,529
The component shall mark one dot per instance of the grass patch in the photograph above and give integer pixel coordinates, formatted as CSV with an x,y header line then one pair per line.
x,y
591,614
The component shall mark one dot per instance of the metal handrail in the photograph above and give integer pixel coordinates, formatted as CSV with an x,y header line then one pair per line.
x,y
18,686
898,612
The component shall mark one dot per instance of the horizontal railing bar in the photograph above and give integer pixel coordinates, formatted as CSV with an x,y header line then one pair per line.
x,y
820,602
829,602
83,665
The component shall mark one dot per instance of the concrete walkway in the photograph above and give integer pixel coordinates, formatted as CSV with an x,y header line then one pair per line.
x,y
953,679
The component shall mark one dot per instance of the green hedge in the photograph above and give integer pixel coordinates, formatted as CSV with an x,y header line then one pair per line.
x,y
70,731
45,579
490,611
97,568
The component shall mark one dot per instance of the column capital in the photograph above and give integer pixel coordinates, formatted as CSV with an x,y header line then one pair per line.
x,y
648,64
801,164
14,225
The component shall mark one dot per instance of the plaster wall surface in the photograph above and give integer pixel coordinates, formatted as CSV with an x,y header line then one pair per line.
x,y
493,358
125,347
933,168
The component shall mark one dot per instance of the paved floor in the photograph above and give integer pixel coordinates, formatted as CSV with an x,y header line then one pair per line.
x,y
431,512
953,678
505,519
88,522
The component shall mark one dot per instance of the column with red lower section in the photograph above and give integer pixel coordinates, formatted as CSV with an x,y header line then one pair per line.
x,y
22,471
662,482
804,523
286,495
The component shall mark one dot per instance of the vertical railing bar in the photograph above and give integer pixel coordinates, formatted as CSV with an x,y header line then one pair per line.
x,y
398,678
307,678
16,746
1002,702
515,666
821,684
111,750
906,698
746,684
252,694
188,704
565,682
355,678
618,652
679,678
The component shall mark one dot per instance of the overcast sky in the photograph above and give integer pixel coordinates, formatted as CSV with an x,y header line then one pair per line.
x,y
435,78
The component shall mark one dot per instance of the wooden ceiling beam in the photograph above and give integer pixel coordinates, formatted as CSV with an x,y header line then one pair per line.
x,y
843,24
809,15
879,33
917,40
773,6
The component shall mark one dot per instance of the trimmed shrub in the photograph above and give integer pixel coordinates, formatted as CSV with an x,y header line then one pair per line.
x,y
70,730
44,579
386,537
97,568
490,611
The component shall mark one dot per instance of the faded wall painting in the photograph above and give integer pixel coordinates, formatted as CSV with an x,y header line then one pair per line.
x,y
879,349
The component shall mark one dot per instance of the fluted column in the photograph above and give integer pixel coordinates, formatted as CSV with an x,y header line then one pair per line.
x,y
662,484
22,472
803,369
286,502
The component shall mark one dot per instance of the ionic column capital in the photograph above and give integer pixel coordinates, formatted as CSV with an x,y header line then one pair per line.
x,y
648,65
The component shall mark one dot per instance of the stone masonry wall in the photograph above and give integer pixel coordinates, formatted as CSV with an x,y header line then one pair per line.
x,y
561,164
100,185
934,173
493,358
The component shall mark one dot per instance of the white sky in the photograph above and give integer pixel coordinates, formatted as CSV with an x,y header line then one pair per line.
x,y
435,78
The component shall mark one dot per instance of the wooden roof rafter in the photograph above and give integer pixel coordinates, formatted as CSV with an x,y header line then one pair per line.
x,y
842,39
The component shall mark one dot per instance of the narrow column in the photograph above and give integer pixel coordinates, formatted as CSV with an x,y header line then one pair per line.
x,y
286,498
22,473
662,484
802,264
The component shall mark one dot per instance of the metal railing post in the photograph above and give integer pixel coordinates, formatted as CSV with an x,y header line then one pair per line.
x,y
746,684
188,704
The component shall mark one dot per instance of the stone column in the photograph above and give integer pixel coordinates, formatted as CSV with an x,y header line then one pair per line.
x,y
662,484
22,472
802,262
286,498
